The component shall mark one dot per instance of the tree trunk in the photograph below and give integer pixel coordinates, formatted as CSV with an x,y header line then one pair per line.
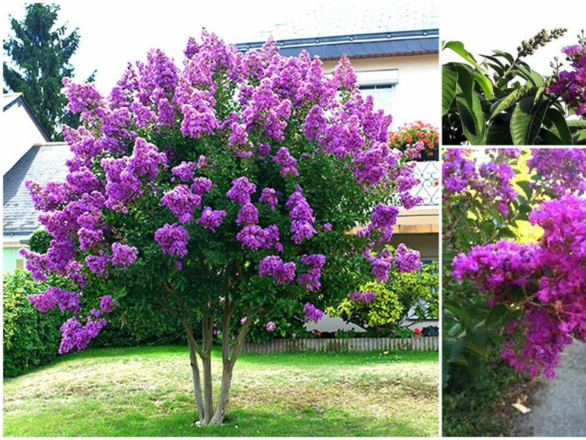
x,y
208,335
192,343
224,395
229,357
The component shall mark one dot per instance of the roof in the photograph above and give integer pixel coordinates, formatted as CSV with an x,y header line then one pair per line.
x,y
9,99
42,163
357,29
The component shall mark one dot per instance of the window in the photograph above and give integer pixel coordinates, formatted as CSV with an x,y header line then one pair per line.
x,y
382,86
383,96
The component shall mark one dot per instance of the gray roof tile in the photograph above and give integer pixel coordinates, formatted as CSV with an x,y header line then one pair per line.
x,y
348,17
42,163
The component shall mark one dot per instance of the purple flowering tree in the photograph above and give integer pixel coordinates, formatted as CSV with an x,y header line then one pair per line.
x,y
523,294
216,192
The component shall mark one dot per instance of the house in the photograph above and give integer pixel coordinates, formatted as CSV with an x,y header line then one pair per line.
x,y
42,163
23,138
394,49
20,129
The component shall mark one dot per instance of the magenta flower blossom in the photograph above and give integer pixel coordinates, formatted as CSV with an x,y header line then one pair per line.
x,y
173,239
287,162
269,196
271,326
123,255
312,313
211,219
273,266
241,190
182,202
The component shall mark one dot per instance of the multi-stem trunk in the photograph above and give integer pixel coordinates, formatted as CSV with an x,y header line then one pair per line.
x,y
204,400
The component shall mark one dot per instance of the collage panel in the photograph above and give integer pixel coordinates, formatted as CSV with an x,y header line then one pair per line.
x,y
513,222
221,219
513,291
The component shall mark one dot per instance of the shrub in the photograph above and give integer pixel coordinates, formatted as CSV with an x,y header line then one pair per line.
x,y
403,296
31,338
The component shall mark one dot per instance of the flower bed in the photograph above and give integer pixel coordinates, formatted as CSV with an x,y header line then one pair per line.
x,y
353,344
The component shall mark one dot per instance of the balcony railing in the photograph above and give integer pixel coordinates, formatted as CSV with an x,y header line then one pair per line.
x,y
429,189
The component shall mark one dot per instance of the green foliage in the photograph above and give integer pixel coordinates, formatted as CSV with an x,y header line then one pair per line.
x,y
402,293
31,338
502,101
40,241
40,55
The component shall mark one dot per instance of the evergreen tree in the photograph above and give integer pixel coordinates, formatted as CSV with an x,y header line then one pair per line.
x,y
40,53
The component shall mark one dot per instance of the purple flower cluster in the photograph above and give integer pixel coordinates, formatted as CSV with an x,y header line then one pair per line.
x,y
312,313
571,85
273,266
182,202
123,255
311,278
185,171
287,162
269,196
271,326
241,190
53,297
173,239
489,180
211,219
363,297
562,170
247,215
404,260
301,215
552,275
254,237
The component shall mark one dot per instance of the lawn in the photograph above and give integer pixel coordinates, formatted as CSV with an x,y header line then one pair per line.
x,y
147,392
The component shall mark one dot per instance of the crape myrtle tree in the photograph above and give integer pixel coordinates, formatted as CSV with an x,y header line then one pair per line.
x,y
535,290
217,192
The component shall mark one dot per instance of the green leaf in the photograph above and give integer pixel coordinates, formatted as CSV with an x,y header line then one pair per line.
x,y
499,131
484,83
549,138
526,187
458,47
449,81
465,81
472,119
526,121
505,55
510,99
530,75
561,127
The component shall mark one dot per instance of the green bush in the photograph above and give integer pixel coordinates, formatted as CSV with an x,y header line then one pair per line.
x,y
31,338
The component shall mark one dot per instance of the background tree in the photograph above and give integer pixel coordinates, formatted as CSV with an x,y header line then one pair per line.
x,y
217,194
40,55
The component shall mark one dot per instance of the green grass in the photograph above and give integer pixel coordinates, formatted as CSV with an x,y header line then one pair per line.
x,y
147,392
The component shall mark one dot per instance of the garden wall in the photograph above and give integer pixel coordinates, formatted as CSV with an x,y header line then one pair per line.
x,y
355,344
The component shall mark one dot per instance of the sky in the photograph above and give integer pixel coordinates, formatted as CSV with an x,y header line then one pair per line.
x,y
504,24
114,33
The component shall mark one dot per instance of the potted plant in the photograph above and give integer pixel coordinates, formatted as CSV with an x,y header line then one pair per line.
x,y
409,134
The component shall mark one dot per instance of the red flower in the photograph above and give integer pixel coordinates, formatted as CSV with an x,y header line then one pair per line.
x,y
378,329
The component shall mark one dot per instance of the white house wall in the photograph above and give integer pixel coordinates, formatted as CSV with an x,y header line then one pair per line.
x,y
418,91
19,134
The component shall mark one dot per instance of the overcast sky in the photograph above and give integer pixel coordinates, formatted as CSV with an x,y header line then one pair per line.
x,y
114,33
503,24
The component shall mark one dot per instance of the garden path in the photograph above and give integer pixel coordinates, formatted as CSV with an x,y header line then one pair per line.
x,y
560,405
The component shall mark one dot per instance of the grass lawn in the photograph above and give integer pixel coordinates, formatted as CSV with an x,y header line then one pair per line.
x,y
147,392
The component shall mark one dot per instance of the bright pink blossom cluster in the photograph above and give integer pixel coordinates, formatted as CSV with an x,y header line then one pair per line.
x,y
548,279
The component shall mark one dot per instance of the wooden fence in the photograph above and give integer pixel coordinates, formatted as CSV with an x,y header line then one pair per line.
x,y
355,344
